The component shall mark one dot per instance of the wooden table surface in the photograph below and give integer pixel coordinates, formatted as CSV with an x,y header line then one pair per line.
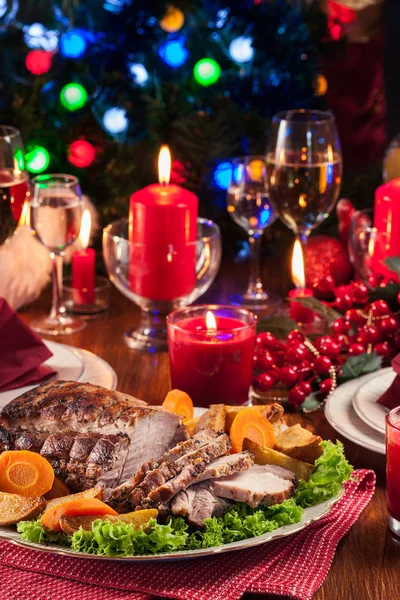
x,y
367,562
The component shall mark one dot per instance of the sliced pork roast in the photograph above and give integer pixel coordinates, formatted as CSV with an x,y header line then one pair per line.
x,y
122,432
199,503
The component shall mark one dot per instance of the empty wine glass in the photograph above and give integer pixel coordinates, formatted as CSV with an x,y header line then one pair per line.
x,y
55,219
249,206
304,167
14,185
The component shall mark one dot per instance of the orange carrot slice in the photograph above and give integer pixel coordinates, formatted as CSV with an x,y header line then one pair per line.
x,y
73,508
179,403
25,473
58,490
251,424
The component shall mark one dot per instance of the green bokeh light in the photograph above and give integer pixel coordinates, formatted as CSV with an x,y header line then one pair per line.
x,y
207,71
37,159
73,96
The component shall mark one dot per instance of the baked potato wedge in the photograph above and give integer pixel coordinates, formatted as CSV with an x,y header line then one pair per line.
x,y
15,508
267,456
214,419
138,518
273,412
299,443
95,492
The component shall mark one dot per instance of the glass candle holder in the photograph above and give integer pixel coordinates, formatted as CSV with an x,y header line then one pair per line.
x,y
101,302
393,469
212,361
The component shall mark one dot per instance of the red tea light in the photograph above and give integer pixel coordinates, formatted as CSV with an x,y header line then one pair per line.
x,y
211,353
393,469
299,313
83,266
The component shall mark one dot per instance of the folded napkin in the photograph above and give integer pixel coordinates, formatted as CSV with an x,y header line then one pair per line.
x,y
294,566
391,398
22,352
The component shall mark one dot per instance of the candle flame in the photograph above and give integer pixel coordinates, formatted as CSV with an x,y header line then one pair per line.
x,y
210,321
298,275
24,218
84,234
164,165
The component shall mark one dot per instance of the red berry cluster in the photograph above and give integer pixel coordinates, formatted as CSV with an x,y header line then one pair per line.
x,y
294,365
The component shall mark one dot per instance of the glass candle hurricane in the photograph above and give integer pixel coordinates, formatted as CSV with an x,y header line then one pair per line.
x,y
393,469
213,363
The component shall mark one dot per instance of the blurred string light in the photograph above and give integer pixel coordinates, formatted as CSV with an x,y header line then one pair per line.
x,y
139,73
222,17
320,85
3,8
174,52
222,175
38,36
207,71
81,153
73,96
37,159
72,44
241,50
115,6
38,62
115,120
173,20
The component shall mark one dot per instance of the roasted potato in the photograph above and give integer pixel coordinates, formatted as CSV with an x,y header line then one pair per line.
x,y
15,508
267,456
273,412
139,518
214,419
96,492
299,443
58,490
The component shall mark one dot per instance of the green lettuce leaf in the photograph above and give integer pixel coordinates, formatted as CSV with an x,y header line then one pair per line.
x,y
32,531
331,470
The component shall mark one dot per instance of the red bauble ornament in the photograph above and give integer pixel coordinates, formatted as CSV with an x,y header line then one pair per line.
x,y
38,62
324,256
81,154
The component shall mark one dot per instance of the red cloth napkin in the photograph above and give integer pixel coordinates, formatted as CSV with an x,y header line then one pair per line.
x,y
391,398
22,352
295,566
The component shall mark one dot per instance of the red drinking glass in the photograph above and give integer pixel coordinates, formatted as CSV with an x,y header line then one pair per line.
x,y
213,364
393,469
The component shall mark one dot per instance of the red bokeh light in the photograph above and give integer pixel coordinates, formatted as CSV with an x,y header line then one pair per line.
x,y
81,154
38,62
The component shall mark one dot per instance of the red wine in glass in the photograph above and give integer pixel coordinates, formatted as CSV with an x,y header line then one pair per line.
x,y
13,193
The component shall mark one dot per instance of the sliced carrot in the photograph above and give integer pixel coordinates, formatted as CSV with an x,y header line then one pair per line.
x,y
25,473
179,403
82,506
58,490
249,423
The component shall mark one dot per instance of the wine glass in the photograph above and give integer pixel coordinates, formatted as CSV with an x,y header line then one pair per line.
x,y
304,168
14,185
55,219
249,206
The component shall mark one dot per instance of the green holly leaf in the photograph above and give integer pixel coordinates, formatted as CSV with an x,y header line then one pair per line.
x,y
393,264
311,402
355,366
387,293
279,326
321,309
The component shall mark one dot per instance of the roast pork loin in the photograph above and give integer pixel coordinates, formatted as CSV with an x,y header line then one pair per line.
x,y
199,503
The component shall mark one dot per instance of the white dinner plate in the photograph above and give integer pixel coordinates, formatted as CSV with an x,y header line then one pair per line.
x,y
314,513
365,399
71,364
341,415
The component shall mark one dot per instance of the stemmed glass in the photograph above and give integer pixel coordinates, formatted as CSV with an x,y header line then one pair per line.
x,y
249,206
14,185
55,218
304,168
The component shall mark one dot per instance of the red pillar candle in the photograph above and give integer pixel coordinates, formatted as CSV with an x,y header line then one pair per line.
x,y
163,235
83,267
299,313
393,469
387,225
212,361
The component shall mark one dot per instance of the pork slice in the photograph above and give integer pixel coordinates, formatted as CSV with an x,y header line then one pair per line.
x,y
198,440
255,486
78,456
106,461
191,465
29,440
118,498
56,449
6,439
282,472
226,466
199,503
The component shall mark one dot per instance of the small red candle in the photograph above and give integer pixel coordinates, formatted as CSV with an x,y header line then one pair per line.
x,y
299,313
211,353
83,267
393,469
387,225
163,234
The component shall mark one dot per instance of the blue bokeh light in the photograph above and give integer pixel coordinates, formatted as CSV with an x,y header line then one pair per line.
x,y
222,175
72,44
265,216
174,52
241,49
115,120
38,36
